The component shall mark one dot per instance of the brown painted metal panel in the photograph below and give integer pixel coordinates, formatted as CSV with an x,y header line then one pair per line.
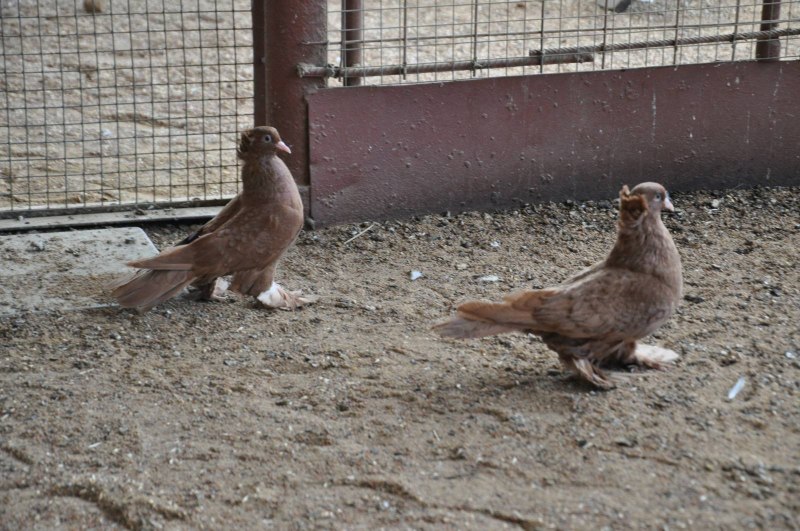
x,y
395,151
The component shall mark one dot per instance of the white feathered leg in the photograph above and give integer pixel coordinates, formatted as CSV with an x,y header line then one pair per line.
x,y
277,297
652,356
220,288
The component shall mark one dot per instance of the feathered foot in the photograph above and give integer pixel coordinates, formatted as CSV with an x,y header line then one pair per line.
x,y
212,291
277,297
653,357
586,370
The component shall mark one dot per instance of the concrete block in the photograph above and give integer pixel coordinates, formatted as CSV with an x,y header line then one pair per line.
x,y
66,270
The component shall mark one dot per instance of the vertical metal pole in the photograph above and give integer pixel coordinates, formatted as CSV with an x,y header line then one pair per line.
x,y
352,37
474,40
677,32
736,28
405,38
286,34
769,49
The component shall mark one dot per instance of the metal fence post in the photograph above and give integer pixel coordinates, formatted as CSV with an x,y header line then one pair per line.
x,y
286,34
352,35
769,48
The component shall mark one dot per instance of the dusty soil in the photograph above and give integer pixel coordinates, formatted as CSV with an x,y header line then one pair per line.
x,y
352,414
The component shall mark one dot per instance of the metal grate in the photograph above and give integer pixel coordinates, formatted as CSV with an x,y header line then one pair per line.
x,y
120,102
402,41
106,102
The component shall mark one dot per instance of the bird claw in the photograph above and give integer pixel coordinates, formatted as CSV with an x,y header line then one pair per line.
x,y
602,381
586,370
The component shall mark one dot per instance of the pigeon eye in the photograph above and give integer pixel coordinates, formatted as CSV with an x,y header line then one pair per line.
x,y
268,138
658,196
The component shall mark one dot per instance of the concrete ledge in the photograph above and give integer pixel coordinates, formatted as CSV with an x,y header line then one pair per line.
x,y
22,223
66,270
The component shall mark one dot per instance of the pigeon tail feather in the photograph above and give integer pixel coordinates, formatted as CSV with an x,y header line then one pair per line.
x,y
146,288
480,319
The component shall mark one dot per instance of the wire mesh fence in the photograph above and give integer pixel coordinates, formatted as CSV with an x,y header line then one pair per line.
x,y
107,102
402,41
118,102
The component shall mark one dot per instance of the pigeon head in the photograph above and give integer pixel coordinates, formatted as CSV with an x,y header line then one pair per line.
x,y
645,201
260,141
655,196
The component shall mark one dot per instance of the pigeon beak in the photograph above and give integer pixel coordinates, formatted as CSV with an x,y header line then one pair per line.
x,y
283,147
668,205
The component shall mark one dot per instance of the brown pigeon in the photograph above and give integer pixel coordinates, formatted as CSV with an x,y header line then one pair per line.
x,y
596,317
246,239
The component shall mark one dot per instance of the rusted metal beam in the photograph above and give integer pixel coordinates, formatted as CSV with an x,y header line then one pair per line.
x,y
286,34
308,70
768,48
498,142
352,36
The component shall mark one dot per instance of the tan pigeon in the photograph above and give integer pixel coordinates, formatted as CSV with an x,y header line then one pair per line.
x,y
596,317
246,239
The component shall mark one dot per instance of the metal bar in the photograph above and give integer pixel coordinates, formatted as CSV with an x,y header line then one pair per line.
x,y
605,38
352,36
736,28
405,34
575,54
768,48
465,37
259,63
97,208
281,33
542,13
677,31
305,70
24,220
127,217
474,37
728,37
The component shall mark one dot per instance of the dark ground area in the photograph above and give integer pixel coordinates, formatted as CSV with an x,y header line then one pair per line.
x,y
351,414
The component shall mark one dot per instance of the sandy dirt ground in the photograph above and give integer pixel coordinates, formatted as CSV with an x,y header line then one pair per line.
x,y
351,414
